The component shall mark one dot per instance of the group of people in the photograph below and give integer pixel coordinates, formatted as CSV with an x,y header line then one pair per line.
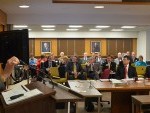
x,y
93,67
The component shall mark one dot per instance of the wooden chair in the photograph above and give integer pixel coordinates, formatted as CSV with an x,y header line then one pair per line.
x,y
54,73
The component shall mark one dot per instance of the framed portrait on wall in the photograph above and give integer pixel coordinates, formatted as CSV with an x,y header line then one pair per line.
x,y
95,46
45,46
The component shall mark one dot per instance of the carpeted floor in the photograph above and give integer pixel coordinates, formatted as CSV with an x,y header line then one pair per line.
x,y
80,106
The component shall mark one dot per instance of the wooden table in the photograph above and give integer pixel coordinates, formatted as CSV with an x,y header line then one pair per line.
x,y
86,89
64,94
121,94
140,103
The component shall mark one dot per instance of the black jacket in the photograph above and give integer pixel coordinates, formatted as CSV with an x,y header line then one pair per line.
x,y
112,66
120,74
69,67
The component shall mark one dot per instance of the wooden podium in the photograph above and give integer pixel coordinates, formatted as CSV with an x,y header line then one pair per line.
x,y
38,104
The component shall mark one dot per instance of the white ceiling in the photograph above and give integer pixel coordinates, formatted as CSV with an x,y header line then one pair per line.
x,y
61,15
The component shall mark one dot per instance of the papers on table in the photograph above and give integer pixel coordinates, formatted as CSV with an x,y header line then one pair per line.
x,y
115,81
19,90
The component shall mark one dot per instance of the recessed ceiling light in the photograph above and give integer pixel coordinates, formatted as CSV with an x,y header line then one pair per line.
x,y
117,30
95,29
129,27
49,29
72,29
29,29
20,26
98,7
47,26
75,26
24,6
102,26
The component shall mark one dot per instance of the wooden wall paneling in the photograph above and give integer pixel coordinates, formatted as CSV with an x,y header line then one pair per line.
x,y
54,46
1,27
79,47
3,17
31,45
120,45
134,46
87,46
71,47
37,47
111,46
62,46
128,45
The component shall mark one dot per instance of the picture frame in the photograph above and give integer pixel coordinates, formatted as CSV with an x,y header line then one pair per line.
x,y
45,46
95,46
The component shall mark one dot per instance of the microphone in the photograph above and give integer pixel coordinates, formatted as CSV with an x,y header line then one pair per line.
x,y
16,96
22,62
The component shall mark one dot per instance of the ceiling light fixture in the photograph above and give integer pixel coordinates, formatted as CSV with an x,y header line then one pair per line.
x,y
48,29
20,26
24,6
47,26
75,26
98,7
72,29
99,26
128,27
117,30
95,29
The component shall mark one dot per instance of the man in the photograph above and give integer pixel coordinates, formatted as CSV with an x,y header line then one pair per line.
x,y
133,58
32,64
93,69
118,59
85,58
45,47
109,64
99,59
8,70
126,71
74,69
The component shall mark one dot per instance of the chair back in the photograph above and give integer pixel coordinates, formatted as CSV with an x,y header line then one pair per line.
x,y
105,74
54,71
140,70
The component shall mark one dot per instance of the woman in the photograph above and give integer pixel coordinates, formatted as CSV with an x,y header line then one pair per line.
x,y
140,62
8,70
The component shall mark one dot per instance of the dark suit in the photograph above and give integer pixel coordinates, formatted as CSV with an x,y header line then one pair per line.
x,y
70,69
62,70
120,74
112,66
84,60
93,71
134,60
50,64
